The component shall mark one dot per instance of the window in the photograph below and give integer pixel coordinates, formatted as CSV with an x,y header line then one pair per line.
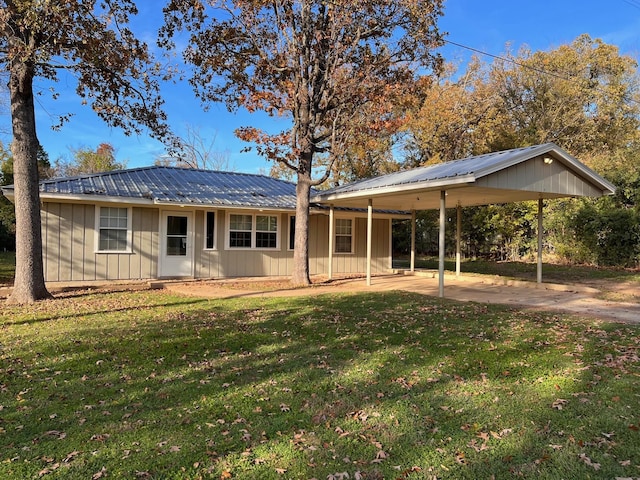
x,y
210,230
176,236
292,232
253,231
266,231
344,235
240,227
113,229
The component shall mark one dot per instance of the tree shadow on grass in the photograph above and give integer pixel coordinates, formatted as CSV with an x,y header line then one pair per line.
x,y
389,385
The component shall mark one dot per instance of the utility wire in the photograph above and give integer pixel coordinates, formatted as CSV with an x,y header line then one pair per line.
x,y
510,60
566,78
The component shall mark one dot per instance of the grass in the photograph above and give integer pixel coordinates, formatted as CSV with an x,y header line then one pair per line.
x,y
7,267
528,271
377,386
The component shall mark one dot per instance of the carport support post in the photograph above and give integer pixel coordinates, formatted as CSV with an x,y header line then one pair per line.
x,y
441,244
413,241
540,233
330,269
369,239
458,238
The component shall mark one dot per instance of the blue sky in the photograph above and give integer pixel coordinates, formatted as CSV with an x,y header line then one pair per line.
x,y
484,25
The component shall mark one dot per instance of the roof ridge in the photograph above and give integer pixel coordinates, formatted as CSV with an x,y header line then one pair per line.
x,y
161,167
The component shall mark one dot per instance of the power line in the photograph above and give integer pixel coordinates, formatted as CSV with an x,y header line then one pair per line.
x,y
567,78
633,3
510,60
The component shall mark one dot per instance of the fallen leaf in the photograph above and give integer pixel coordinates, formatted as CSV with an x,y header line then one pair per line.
x,y
559,403
587,461
71,456
101,474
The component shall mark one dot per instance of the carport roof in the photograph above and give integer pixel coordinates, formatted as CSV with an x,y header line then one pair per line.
x,y
531,173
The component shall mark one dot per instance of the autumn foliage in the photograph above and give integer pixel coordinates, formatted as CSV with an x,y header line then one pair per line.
x,y
326,67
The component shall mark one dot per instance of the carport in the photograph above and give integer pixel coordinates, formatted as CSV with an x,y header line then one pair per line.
x,y
537,173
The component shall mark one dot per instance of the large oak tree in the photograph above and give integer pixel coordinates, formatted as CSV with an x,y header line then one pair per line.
x,y
114,73
318,63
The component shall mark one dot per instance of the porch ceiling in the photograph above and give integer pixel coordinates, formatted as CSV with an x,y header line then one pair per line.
x,y
429,198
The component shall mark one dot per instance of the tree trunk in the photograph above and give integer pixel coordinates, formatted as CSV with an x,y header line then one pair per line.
x,y
29,283
300,275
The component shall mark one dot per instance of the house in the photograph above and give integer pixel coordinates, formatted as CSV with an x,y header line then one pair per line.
x,y
165,222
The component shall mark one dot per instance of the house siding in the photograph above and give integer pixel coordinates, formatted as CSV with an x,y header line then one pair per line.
x,y
536,176
69,247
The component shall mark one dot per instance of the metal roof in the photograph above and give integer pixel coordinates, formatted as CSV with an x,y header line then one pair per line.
x,y
159,184
501,177
467,181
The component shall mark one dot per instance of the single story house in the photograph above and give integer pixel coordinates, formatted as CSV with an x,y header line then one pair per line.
x,y
164,222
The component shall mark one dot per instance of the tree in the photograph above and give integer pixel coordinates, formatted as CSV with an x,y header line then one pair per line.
x,y
582,96
318,63
448,117
195,151
85,160
8,209
115,75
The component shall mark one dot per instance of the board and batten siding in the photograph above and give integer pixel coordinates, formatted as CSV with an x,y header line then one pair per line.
x,y
69,252
69,247
350,263
221,263
537,176
242,262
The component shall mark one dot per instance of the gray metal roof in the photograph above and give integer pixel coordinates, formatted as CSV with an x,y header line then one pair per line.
x,y
477,167
159,184
500,177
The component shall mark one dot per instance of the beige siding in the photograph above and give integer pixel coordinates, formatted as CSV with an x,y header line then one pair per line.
x,y
69,241
355,262
221,262
69,245
318,244
536,176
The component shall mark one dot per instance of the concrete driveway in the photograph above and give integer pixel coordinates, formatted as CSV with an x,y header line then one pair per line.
x,y
484,289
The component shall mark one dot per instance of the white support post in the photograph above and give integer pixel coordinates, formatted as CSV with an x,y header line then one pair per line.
x,y
331,236
458,238
540,234
413,241
369,239
441,243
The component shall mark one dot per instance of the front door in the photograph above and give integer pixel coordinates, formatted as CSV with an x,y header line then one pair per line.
x,y
176,249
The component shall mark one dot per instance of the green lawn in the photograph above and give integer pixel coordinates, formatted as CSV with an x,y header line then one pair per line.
x,y
528,271
7,267
376,386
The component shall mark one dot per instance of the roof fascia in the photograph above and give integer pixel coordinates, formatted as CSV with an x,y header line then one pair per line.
x,y
224,207
94,199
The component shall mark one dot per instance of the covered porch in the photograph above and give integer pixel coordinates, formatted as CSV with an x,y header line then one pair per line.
x,y
533,173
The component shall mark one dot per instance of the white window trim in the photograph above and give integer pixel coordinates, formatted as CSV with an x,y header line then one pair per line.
x,y
216,222
253,216
128,249
353,235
